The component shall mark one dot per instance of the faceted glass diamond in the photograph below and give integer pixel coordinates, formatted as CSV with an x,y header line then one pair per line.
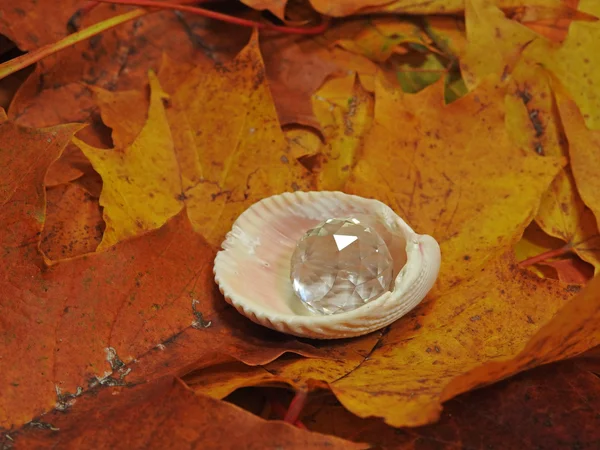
x,y
340,265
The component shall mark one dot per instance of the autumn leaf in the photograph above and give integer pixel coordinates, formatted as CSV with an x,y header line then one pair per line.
x,y
447,33
551,22
543,407
165,412
440,342
548,257
72,165
347,7
136,194
384,37
117,59
21,22
535,125
302,374
568,334
436,183
571,270
143,197
446,337
534,241
475,275
126,113
344,111
474,120
487,27
73,223
133,297
582,146
579,69
297,66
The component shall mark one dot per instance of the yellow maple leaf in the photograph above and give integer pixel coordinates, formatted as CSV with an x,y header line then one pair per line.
x,y
216,148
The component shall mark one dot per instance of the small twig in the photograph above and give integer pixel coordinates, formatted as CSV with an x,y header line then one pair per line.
x,y
318,29
546,255
89,5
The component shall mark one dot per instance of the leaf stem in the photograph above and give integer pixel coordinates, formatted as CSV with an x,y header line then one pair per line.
x,y
280,410
546,255
87,7
296,406
318,29
16,64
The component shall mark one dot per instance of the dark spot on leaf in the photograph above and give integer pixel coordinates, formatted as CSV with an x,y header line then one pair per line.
x,y
539,149
115,362
95,41
42,426
171,339
199,323
534,117
524,95
65,400
311,162
259,78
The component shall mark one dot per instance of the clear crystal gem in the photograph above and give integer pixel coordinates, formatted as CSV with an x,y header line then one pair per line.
x,y
340,265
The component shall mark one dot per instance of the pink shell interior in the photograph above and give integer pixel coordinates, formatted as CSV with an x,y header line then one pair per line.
x,y
255,263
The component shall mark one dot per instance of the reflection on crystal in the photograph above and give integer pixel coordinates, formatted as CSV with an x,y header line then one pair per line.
x,y
340,265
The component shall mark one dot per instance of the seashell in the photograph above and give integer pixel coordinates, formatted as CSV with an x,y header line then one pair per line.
x,y
253,267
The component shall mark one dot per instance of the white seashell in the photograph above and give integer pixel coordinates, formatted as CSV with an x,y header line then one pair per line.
x,y
253,269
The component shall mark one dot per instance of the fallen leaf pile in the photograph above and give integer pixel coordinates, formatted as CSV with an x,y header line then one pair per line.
x,y
126,157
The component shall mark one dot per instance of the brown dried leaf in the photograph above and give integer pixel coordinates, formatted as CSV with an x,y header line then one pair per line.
x,y
162,414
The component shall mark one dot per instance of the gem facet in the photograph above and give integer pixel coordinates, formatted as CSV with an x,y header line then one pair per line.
x,y
339,265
